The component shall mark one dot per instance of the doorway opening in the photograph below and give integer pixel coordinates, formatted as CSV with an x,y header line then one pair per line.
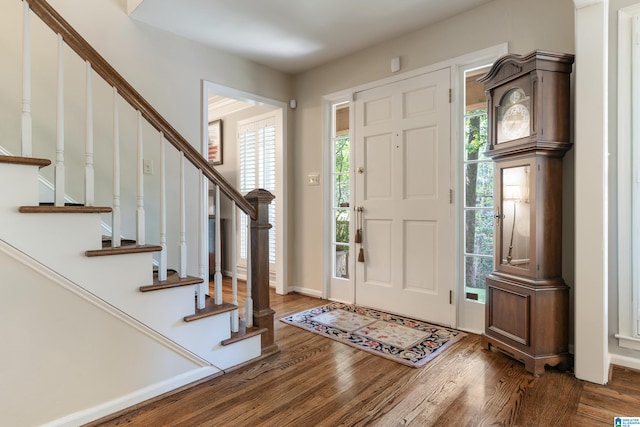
x,y
244,117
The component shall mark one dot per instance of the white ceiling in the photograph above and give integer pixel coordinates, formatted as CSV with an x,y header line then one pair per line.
x,y
295,35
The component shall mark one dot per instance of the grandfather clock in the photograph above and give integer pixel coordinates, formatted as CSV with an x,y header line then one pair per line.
x,y
527,300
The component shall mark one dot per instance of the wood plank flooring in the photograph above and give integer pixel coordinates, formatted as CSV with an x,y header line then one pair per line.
x,y
315,381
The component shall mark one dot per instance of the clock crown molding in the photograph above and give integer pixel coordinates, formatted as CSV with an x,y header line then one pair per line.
x,y
513,65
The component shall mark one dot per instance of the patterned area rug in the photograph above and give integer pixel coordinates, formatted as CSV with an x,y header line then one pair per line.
x,y
407,341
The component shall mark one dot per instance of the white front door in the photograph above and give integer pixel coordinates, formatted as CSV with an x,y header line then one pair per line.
x,y
403,182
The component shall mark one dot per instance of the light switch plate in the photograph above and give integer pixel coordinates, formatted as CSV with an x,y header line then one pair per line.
x,y
313,179
147,167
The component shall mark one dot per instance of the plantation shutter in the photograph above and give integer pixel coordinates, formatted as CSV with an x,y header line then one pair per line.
x,y
257,144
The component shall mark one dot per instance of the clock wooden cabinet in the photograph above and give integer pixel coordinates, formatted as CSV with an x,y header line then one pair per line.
x,y
527,300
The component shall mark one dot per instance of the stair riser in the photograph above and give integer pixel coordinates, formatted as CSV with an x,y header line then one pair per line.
x,y
18,186
229,356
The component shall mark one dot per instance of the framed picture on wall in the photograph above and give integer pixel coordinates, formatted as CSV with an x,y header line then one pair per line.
x,y
214,146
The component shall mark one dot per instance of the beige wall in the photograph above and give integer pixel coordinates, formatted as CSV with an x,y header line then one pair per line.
x,y
526,25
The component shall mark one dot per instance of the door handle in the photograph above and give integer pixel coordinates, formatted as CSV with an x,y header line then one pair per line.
x,y
358,209
359,225
498,216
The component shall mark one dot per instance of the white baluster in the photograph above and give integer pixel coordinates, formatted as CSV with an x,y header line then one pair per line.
x,y
249,302
27,129
59,173
235,327
89,187
183,222
217,277
202,205
162,264
140,237
116,215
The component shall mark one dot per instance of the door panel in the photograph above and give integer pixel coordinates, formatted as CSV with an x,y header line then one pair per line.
x,y
378,150
419,255
420,173
402,144
379,257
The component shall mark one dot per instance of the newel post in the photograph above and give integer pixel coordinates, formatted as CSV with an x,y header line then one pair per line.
x,y
262,312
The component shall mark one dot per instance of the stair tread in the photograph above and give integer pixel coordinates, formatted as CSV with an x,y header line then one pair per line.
x,y
173,281
210,309
64,209
27,161
126,249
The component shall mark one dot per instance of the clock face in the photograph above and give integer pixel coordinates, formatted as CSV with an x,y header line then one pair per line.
x,y
515,122
513,116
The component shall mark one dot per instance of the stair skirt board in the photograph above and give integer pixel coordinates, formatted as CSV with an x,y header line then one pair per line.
x,y
142,395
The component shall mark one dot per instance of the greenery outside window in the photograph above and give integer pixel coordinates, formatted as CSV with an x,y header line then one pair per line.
x,y
341,186
478,191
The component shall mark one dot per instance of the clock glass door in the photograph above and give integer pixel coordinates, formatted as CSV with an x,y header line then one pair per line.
x,y
515,224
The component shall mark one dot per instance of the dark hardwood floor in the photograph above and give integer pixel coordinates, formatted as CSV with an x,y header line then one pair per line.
x,y
315,381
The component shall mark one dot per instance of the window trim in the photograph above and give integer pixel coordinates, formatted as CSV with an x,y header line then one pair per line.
x,y
628,164
259,122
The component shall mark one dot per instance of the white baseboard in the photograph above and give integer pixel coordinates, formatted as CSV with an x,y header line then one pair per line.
x,y
306,291
624,361
121,403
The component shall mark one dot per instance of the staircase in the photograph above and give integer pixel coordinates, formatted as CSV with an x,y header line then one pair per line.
x,y
117,329
68,240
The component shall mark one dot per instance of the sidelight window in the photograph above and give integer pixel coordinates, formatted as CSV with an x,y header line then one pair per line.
x,y
478,190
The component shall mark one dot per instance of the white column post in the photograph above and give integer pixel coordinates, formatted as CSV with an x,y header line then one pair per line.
x,y
140,220
591,190
89,180
249,301
202,205
27,128
59,173
116,231
235,327
162,264
183,223
217,277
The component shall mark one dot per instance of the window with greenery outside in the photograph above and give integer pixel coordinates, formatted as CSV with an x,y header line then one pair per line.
x,y
341,203
478,204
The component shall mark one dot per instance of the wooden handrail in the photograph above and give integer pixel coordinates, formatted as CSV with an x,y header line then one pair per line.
x,y
79,45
